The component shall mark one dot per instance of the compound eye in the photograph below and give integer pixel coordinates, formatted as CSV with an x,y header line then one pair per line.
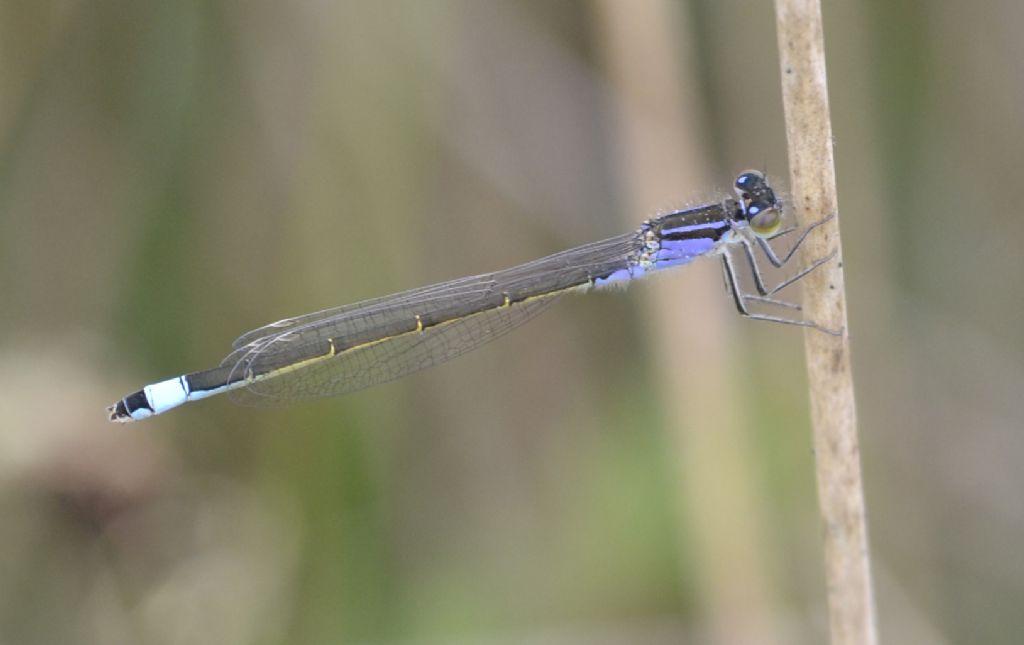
x,y
764,219
750,182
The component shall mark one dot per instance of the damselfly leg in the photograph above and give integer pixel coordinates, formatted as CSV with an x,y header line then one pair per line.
x,y
776,261
741,298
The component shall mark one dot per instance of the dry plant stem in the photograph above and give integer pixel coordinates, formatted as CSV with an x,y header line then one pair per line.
x,y
840,493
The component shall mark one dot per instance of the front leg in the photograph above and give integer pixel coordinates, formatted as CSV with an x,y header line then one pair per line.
x,y
776,261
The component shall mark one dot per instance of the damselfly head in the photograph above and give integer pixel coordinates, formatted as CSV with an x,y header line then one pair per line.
x,y
761,208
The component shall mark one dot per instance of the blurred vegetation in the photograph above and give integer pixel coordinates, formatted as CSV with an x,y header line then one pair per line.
x,y
175,173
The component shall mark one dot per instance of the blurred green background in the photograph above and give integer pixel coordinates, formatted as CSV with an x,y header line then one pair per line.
x,y
632,467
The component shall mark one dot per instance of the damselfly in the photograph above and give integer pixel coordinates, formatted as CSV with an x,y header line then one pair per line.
x,y
348,348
